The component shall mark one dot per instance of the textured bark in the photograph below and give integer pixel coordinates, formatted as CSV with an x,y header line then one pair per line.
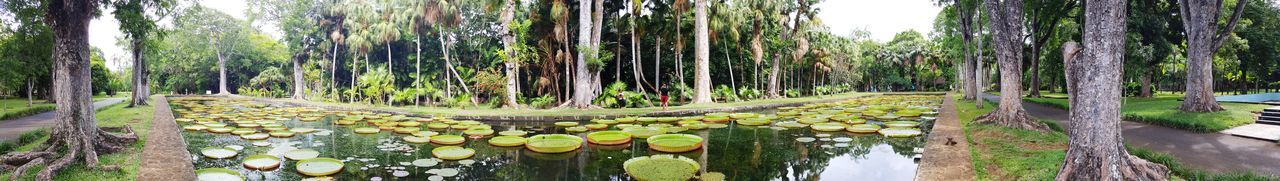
x,y
141,87
508,40
657,63
299,82
702,52
1145,80
1006,29
222,66
75,132
582,94
1200,19
1096,150
965,19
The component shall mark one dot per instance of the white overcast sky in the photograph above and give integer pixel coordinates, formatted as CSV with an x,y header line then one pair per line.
x,y
883,18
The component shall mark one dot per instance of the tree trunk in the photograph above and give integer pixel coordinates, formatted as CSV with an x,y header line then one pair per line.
x,y
1096,150
979,73
30,86
732,82
582,94
1145,80
222,68
1034,69
299,83
1006,26
76,136
140,87
636,69
1200,19
449,67
417,73
333,72
702,68
508,40
657,63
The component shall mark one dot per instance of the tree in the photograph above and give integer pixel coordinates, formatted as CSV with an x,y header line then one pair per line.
x,y
1006,31
76,131
702,51
588,66
1200,19
1044,19
1096,150
137,25
508,42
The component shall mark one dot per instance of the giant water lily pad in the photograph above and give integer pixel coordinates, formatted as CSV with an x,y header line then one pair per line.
x,y
661,168
513,133
319,166
827,127
416,139
609,137
553,143
425,162
301,154
218,152
452,152
478,132
507,141
644,132
863,128
195,127
753,121
743,115
448,139
255,136
218,174
566,124
261,162
901,124
367,130
901,132
675,143
576,129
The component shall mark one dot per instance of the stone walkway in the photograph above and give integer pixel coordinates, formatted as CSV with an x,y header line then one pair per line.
x,y
165,155
941,160
1210,151
11,129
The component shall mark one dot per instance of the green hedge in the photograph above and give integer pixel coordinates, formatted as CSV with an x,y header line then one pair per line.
x,y
26,112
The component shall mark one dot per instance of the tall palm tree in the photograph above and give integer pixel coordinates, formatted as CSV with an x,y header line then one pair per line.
x,y
702,68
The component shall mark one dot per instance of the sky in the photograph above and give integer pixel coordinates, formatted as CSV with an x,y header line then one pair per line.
x,y
883,18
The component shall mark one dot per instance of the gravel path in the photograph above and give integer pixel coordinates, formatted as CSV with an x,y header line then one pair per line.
x,y
165,154
11,129
1209,151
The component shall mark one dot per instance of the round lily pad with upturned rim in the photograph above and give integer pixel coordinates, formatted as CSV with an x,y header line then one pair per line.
x,y
218,152
863,128
609,137
255,136
644,132
261,162
281,134
452,152
576,129
448,139
478,132
319,166
901,124
513,133
900,132
195,127
507,141
675,143
566,124
425,162
301,154
827,127
417,139
661,168
219,129
553,143
367,130
218,174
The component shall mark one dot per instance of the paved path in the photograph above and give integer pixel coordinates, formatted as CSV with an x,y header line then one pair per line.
x,y
944,161
11,129
1209,151
165,155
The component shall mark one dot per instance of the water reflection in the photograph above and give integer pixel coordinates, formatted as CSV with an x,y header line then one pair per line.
x,y
739,152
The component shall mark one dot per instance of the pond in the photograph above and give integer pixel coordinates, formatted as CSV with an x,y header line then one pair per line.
x,y
787,150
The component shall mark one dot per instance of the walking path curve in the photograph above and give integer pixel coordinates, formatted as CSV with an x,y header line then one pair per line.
x,y
11,129
1210,151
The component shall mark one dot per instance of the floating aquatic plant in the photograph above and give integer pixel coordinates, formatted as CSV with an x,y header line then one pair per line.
x,y
900,132
319,166
261,162
218,174
661,168
452,152
553,143
301,154
218,152
447,139
675,143
507,141
863,128
609,137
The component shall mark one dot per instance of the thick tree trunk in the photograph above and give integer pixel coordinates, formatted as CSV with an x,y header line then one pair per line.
x,y
222,68
702,68
979,73
1035,70
508,40
1200,19
1006,26
140,86
657,63
417,72
30,85
76,136
1145,80
299,83
582,94
1096,150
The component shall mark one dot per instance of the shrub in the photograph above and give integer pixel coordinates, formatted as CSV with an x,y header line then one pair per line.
x,y
542,102
792,93
724,93
37,109
748,93
6,147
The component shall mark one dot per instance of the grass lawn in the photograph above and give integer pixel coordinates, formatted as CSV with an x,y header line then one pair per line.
x,y
443,111
112,116
14,108
1162,109
1001,153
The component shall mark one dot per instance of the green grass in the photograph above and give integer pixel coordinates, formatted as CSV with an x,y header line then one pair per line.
x,y
1001,153
1162,110
17,107
128,160
442,111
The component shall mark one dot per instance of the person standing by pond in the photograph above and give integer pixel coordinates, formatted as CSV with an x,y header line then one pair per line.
x,y
663,90
621,99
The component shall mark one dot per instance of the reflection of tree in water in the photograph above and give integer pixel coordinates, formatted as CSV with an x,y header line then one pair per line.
x,y
765,154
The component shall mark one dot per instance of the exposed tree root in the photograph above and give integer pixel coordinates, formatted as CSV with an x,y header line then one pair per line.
x,y
73,147
1016,119
1101,167
1201,108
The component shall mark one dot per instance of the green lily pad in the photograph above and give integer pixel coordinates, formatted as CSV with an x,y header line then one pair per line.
x,y
218,174
675,143
513,133
507,141
609,137
448,139
452,152
319,166
416,139
553,143
218,152
261,162
255,136
425,162
661,168
900,132
743,115
863,128
827,127
195,127
576,129
478,132
301,154
644,132
566,124
901,124
367,130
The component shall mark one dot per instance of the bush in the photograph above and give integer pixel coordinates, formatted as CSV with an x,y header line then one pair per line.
x,y
542,102
1132,89
37,109
748,93
724,93
792,93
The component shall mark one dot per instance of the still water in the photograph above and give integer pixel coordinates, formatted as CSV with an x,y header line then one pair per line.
x,y
739,152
